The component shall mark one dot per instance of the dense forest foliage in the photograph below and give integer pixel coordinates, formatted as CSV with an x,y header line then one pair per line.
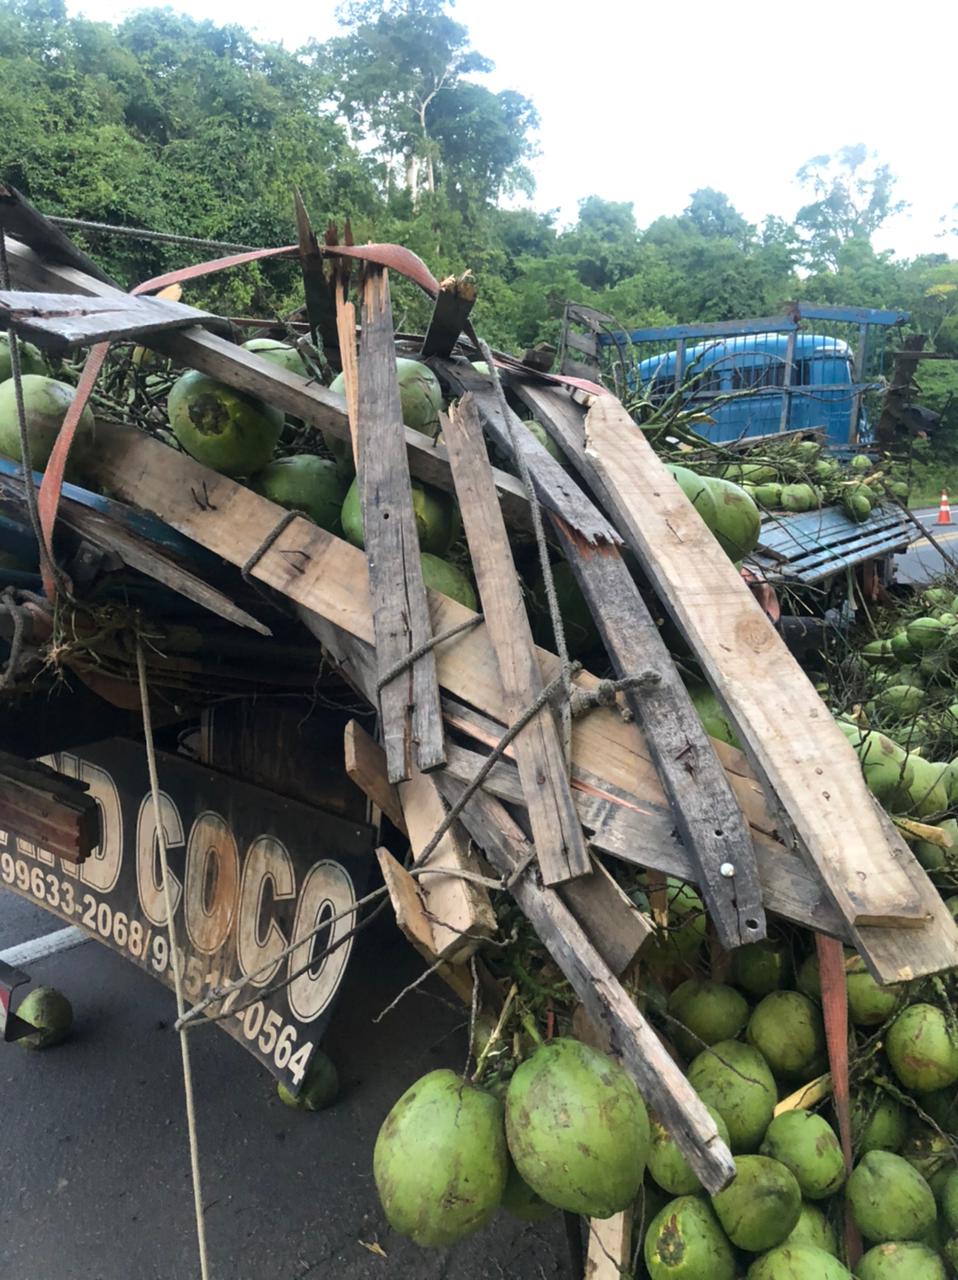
x,y
186,127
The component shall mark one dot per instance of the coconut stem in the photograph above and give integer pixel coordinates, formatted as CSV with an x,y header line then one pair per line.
x,y
496,1034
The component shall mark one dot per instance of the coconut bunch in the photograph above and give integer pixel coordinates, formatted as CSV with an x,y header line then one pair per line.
x,y
798,475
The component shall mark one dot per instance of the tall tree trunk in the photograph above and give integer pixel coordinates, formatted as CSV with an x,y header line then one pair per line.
x,y
412,176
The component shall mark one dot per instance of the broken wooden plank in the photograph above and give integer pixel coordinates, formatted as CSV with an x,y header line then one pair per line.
x,y
560,846
706,812
659,1079
59,813
461,912
366,767
610,1247
787,731
456,298
409,698
301,397
76,320
331,593
413,921
317,290
19,218
645,836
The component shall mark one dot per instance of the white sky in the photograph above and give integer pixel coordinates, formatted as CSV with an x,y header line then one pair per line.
x,y
647,103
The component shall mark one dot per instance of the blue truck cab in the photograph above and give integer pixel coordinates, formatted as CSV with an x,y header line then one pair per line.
x,y
740,383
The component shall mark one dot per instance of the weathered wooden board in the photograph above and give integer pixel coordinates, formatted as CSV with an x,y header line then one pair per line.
x,y
366,766
457,296
333,594
560,846
411,916
409,701
247,371
58,811
610,1247
706,812
460,912
660,1080
787,731
75,320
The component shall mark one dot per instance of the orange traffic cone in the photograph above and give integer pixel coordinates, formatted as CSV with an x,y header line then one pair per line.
x,y
944,509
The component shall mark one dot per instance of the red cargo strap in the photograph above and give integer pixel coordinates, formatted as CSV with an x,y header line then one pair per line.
x,y
831,968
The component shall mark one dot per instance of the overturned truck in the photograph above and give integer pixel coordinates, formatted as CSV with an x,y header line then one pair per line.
x,y
158,784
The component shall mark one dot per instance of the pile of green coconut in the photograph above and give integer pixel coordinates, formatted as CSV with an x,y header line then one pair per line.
x,y
558,1125
796,475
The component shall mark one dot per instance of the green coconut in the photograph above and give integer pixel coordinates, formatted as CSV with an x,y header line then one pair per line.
x,y
926,634
708,1012
936,597
521,1201
668,1166
888,770
949,1251
786,1028
889,1200
225,429
856,504
768,496
50,1012
698,490
304,483
861,462
761,967
950,778
420,395
319,1088
949,1199
813,1228
577,1129
901,645
437,517
808,1145
31,361
901,699
900,1260
735,1079
798,1262
927,790
448,579
800,497
760,1208
685,1242
808,979
921,1049
738,520
878,1123
440,1160
869,1004
278,353
712,714
45,404
580,630
932,856
681,939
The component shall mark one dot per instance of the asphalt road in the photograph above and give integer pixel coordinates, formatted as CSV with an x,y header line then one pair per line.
x,y
94,1171
923,561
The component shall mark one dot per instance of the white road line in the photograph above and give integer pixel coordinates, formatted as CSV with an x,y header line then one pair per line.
x,y
47,945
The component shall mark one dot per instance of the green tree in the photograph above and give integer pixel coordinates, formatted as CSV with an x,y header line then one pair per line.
x,y
854,195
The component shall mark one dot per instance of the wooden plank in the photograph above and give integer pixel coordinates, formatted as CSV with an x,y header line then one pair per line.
x,y
659,1079
415,924
457,297
560,846
317,406
76,320
19,218
706,812
232,521
366,767
408,701
707,815
461,913
57,811
787,731
610,1247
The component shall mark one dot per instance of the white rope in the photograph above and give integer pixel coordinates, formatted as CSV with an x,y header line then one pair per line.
x,y
177,972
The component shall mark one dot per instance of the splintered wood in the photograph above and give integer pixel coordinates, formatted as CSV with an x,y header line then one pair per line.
x,y
798,750
408,698
560,845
